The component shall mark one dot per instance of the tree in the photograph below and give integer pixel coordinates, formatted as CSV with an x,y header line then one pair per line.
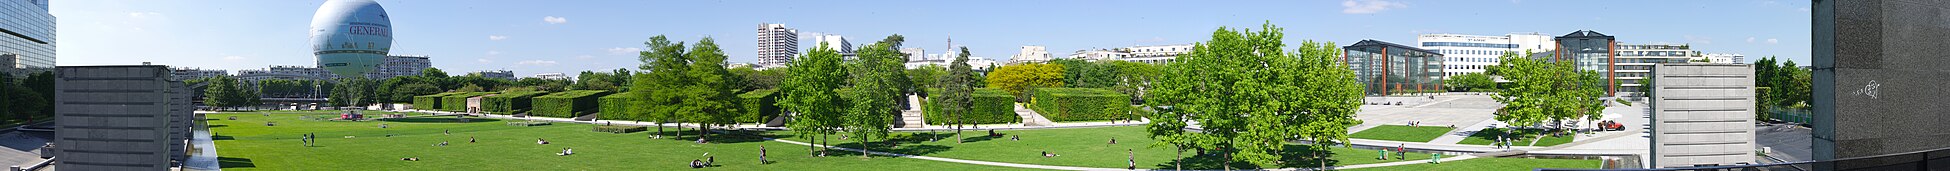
x,y
927,76
1085,74
711,97
877,86
753,79
657,89
41,83
1017,79
1226,85
220,92
957,93
1546,90
1475,82
1133,78
809,92
438,78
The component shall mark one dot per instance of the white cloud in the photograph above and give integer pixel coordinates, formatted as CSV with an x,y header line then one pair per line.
x,y
1368,6
493,52
625,50
536,62
497,37
1750,39
233,57
483,60
554,20
144,14
1773,41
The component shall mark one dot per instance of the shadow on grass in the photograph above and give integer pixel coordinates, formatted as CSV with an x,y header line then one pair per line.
x,y
1297,156
437,120
222,137
717,135
216,126
233,162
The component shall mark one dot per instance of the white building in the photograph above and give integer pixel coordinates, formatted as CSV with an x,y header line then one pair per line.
x,y
1031,54
400,65
1634,62
286,73
837,42
776,44
552,76
1098,54
185,73
1464,54
1157,54
912,53
1723,58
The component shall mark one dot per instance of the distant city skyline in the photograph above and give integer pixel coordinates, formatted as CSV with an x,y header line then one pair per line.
x,y
532,37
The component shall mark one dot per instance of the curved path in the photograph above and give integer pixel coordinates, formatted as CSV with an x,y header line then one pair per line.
x,y
1035,166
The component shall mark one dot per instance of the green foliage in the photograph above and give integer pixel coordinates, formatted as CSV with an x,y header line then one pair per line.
x,y
1249,94
618,129
458,102
878,83
1134,77
750,79
565,104
1081,104
510,102
1017,79
759,105
810,92
1470,82
927,76
1545,90
615,106
990,106
1078,73
1790,86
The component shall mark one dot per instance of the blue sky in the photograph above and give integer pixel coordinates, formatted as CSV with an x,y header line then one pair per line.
x,y
533,37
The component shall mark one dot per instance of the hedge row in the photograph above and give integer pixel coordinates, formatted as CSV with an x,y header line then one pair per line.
x,y
1080,104
430,102
992,106
509,102
458,102
614,107
759,105
618,129
566,104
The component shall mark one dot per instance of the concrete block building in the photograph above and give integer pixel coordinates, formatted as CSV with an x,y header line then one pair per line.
x,y
120,118
1703,115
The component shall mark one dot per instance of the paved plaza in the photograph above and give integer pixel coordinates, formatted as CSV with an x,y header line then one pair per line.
x,y
1472,112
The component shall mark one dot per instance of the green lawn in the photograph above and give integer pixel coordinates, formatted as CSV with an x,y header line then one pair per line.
x,y
1485,137
1402,133
1496,164
1089,147
247,144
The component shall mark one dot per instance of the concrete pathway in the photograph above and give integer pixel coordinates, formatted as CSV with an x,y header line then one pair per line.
x,y
1030,117
1036,166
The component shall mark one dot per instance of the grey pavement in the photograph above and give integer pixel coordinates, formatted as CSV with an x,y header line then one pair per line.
x,y
1789,143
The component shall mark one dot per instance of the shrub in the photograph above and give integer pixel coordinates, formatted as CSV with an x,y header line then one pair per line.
x,y
1080,104
458,102
509,102
992,106
566,104
618,129
429,102
760,105
615,107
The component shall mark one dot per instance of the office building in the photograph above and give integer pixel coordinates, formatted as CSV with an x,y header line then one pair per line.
x,y
1030,54
1391,69
552,76
496,74
1156,54
120,118
1722,58
1704,115
1634,63
185,73
776,44
836,42
400,65
1463,54
1099,54
286,73
29,36
1590,51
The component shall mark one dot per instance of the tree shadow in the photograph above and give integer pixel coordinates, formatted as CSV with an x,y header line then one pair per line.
x,y
982,138
1302,156
717,135
216,126
1297,156
222,137
437,120
233,162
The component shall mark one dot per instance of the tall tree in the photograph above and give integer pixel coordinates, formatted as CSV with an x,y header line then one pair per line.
x,y
1133,78
220,92
657,89
877,87
810,93
1546,90
957,95
1018,79
711,97
1229,86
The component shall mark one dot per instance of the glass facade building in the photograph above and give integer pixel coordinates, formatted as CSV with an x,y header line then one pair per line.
x,y
1591,51
1389,69
28,35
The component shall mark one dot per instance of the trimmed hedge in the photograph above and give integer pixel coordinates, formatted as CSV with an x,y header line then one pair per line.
x,y
759,105
1080,104
509,102
458,102
615,107
992,106
618,129
566,104
430,102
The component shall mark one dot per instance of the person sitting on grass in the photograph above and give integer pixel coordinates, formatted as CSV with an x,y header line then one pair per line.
x,y
470,139
565,152
700,140
992,133
697,163
1113,141
442,144
410,159
1015,137
541,141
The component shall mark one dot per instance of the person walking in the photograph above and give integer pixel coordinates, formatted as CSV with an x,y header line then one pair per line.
x,y
761,155
1131,157
1401,151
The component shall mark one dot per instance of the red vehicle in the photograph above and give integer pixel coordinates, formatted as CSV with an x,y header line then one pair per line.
x,y
1610,126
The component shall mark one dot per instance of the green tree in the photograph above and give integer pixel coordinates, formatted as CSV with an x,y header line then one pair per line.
x,y
220,92
1017,79
658,88
1133,78
809,91
927,76
1225,85
1546,90
1474,82
1085,74
711,97
957,92
753,79
877,87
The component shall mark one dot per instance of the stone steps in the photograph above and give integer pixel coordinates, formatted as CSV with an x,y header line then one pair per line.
x,y
911,119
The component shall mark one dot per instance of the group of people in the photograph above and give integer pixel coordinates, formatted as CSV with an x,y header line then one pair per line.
x,y
309,139
707,162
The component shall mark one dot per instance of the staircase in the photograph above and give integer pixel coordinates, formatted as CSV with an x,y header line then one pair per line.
x,y
910,119
1030,117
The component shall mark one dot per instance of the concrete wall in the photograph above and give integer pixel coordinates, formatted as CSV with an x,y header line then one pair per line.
x,y
1704,115
1879,81
119,117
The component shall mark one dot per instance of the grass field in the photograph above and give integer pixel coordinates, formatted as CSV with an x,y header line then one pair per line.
x,y
1496,164
1485,137
1089,147
1402,133
247,144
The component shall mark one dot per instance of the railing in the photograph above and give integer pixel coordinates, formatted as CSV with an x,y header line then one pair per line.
x,y
36,166
1935,159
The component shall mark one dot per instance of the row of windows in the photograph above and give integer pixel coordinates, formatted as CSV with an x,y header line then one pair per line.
x,y
1653,53
1466,44
1466,66
1470,52
1467,59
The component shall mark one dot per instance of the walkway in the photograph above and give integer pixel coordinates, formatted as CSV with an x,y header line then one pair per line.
x,y
1035,166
